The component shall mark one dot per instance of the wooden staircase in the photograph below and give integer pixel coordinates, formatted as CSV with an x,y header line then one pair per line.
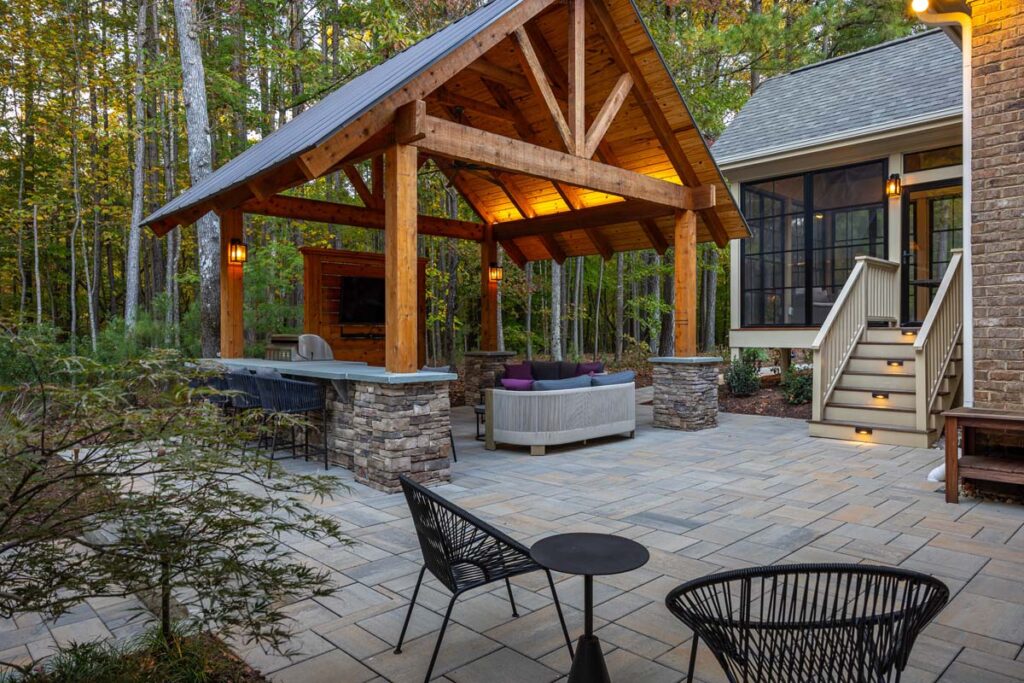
x,y
878,383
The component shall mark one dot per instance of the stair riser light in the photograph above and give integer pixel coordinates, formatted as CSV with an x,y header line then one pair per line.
x,y
863,430
892,363
879,394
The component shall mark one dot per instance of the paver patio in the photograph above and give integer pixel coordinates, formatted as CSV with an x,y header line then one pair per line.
x,y
754,491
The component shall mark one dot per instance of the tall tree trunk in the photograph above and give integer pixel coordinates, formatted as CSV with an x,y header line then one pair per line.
x,y
556,311
710,297
131,264
529,310
577,308
620,296
21,241
171,316
597,308
38,283
200,155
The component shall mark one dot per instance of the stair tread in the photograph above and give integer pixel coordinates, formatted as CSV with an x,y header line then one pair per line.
x,y
876,374
871,425
891,409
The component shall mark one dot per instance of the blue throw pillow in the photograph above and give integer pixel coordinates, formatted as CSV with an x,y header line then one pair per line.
x,y
624,377
553,384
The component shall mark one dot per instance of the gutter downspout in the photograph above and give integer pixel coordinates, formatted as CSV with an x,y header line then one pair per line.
x,y
966,43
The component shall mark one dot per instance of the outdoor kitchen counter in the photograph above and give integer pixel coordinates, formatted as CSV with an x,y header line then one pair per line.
x,y
380,424
338,370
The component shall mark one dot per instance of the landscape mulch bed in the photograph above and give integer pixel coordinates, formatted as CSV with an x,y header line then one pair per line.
x,y
767,401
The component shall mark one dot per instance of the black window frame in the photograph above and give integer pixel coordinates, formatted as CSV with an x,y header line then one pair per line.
x,y
808,247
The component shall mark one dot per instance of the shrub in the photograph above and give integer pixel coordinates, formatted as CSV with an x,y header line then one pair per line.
x,y
797,387
742,377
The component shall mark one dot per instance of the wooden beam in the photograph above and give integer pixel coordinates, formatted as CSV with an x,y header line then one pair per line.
x,y
577,76
451,172
410,121
401,344
300,208
500,74
488,295
583,219
326,155
652,111
553,248
446,98
600,242
685,300
505,100
607,114
541,87
365,195
657,240
513,251
232,305
497,151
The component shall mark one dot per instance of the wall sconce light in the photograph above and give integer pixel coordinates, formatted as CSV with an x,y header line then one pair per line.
x,y
495,273
879,394
893,186
862,430
893,363
237,251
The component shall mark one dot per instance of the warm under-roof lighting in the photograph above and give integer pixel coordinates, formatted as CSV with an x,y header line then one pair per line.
x,y
919,6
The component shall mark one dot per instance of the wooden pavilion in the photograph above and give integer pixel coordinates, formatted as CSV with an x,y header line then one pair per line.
x,y
558,123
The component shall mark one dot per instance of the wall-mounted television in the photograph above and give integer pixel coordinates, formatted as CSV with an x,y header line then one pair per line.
x,y
362,301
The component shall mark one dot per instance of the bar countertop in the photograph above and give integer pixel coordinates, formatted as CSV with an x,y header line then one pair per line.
x,y
333,370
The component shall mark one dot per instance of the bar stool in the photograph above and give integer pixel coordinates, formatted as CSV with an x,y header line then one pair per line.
x,y
280,396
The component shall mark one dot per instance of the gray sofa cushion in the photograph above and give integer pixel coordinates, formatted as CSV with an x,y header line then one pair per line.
x,y
624,377
569,383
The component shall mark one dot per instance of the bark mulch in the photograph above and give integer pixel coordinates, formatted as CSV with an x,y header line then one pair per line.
x,y
767,401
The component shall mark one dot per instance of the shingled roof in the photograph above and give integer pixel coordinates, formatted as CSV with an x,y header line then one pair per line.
x,y
899,83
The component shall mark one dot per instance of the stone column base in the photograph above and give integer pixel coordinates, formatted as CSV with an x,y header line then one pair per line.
x,y
686,392
382,430
481,368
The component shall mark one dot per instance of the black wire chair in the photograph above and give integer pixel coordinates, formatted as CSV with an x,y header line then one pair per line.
x,y
217,383
280,396
464,552
842,623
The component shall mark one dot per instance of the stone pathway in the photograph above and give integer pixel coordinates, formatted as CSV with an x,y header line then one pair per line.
x,y
754,491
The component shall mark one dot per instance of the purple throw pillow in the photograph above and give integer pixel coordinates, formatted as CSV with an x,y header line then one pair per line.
x,y
518,371
590,368
517,384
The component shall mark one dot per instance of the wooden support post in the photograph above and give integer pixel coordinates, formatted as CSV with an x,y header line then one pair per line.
x,y
686,284
401,345
232,336
488,294
577,74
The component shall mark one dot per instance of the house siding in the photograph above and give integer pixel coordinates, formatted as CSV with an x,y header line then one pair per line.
x,y
998,203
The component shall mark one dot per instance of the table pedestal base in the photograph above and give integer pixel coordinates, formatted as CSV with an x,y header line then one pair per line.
x,y
588,665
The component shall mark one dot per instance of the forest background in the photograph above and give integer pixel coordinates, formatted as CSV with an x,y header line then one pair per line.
x,y
108,108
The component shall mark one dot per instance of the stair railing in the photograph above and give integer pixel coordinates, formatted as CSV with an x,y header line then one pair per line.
x,y
870,293
937,340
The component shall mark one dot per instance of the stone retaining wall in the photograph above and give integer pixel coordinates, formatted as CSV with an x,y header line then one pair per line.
x,y
481,369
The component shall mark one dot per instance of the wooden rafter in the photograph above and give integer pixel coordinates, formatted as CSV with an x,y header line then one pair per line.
x,y
451,172
577,76
354,177
594,217
447,98
654,236
541,86
300,208
513,251
652,111
553,248
604,118
455,141
500,74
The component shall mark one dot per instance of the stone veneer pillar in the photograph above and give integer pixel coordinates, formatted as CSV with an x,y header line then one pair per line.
x,y
381,430
686,392
481,369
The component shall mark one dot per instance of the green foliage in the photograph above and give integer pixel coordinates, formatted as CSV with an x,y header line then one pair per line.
x,y
742,377
797,387
192,657
117,478
272,274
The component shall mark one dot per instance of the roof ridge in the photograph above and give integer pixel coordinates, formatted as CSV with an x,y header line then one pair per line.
x,y
866,50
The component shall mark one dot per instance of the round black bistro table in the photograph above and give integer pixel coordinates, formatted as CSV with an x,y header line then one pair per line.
x,y
589,555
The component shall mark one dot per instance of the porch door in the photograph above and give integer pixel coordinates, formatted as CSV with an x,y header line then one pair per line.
x,y
932,228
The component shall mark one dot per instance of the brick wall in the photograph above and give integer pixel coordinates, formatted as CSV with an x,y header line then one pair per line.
x,y
998,203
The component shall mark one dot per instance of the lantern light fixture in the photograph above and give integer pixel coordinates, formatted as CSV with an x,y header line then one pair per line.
x,y
893,186
495,273
237,251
